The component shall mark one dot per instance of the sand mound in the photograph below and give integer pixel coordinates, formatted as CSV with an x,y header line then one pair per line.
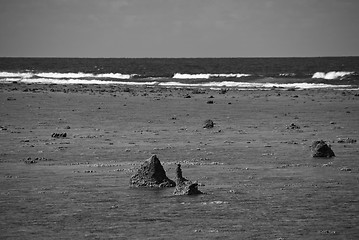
x,y
151,174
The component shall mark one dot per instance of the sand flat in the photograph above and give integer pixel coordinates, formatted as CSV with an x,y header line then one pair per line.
x,y
259,176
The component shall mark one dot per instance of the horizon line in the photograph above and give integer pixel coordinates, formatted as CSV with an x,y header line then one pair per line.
x,y
329,56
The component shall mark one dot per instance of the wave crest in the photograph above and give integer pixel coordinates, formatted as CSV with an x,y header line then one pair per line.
x,y
208,75
331,75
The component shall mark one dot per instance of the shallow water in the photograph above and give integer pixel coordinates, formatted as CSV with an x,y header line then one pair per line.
x,y
291,202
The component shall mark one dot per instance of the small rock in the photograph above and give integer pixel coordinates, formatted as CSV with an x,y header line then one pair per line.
x,y
208,124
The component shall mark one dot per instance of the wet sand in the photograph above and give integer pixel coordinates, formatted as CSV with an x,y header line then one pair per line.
x,y
258,173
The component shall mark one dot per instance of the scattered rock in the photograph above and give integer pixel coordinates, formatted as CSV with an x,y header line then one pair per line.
x,y
346,140
210,102
223,91
59,135
29,160
11,99
151,174
293,126
208,124
198,91
321,149
345,169
184,186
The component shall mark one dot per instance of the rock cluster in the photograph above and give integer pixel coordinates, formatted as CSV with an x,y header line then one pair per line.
x,y
321,149
293,126
151,174
184,186
59,135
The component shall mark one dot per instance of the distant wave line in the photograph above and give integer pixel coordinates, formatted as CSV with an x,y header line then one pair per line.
x,y
80,75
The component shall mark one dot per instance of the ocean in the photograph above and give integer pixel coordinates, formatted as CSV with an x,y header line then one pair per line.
x,y
234,73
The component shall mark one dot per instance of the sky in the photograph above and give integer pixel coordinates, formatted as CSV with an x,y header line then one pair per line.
x,y
179,28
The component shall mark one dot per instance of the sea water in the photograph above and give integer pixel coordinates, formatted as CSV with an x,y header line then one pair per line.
x,y
235,73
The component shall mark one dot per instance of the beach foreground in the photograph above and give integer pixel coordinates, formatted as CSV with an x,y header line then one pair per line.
x,y
254,166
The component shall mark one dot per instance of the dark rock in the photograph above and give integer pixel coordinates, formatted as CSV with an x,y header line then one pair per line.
x,y
59,135
184,186
208,124
321,149
210,102
151,174
346,140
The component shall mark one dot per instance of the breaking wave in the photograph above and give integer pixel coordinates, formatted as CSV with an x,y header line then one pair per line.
x,y
208,75
331,75
57,75
14,75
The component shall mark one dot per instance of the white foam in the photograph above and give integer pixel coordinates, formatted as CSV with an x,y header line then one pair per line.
x,y
231,84
208,75
331,75
78,81
114,75
15,75
64,75
191,76
287,74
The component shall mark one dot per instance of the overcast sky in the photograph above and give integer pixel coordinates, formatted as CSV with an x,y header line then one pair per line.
x,y
179,28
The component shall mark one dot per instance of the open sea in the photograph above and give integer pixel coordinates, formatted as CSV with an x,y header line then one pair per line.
x,y
235,73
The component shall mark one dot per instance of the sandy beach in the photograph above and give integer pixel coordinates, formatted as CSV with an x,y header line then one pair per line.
x,y
254,165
